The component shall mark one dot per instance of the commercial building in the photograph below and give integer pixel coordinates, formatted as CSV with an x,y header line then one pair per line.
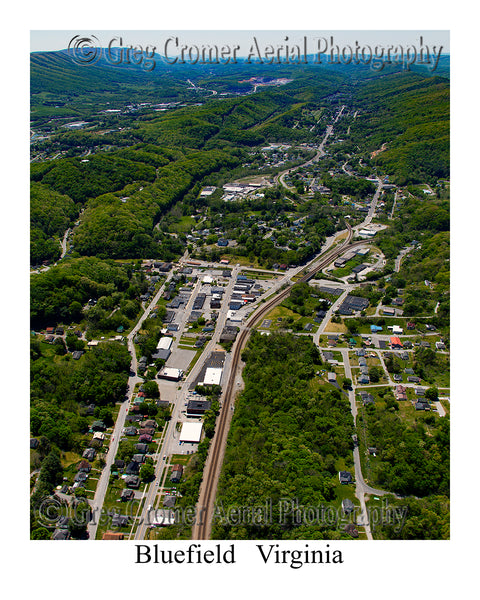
x,y
171,374
164,343
213,376
191,432
196,408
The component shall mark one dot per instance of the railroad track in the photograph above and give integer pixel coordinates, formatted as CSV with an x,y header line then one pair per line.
x,y
202,528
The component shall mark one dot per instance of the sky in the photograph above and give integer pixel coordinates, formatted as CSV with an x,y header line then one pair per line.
x,y
43,40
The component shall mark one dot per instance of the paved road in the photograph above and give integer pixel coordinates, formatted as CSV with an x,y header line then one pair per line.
x,y
279,178
170,439
64,243
400,256
361,487
102,485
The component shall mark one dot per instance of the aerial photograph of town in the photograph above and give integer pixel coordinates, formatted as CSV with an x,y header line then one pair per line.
x,y
239,289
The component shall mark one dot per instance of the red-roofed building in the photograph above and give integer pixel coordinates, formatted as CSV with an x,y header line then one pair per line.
x,y
395,342
113,535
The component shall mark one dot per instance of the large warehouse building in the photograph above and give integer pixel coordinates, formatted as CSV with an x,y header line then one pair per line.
x,y
191,432
164,343
213,376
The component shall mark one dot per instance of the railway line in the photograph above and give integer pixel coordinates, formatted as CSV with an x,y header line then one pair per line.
x,y
202,528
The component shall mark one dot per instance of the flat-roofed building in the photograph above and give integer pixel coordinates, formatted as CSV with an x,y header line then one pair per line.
x,y
171,373
191,432
197,408
213,376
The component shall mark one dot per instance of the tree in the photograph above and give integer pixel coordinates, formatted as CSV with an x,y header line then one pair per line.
x,y
125,450
41,533
375,373
51,472
148,408
73,342
431,394
352,325
147,472
151,389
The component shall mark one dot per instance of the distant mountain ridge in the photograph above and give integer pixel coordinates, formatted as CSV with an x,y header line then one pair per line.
x,y
58,72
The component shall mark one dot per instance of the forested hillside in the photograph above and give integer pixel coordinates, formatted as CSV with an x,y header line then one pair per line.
x,y
410,115
287,440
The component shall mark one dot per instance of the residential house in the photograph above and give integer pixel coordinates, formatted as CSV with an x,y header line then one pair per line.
x,y
133,481
98,426
345,477
141,448
177,472
367,398
120,520
127,494
347,506
395,342
89,410
169,501
113,535
147,431
351,530
89,454
422,405
84,466
130,431
132,468
61,534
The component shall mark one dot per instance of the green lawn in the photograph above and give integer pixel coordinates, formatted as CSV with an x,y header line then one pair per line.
x,y
183,225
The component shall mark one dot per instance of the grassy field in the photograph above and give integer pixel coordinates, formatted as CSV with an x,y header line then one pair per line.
x,y
243,261
183,225
335,328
